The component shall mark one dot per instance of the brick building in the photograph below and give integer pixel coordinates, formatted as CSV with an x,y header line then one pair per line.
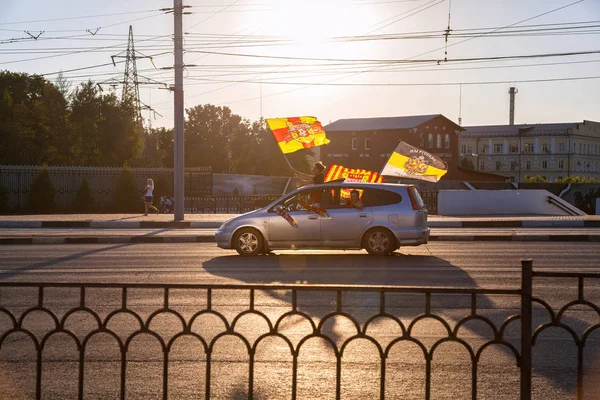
x,y
368,142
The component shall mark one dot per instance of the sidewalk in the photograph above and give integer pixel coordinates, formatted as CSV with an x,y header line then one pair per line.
x,y
135,228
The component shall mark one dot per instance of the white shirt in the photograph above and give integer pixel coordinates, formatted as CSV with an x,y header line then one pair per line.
x,y
149,190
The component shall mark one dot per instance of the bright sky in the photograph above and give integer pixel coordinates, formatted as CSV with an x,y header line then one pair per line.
x,y
366,53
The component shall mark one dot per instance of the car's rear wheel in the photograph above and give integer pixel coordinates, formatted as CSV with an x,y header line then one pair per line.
x,y
248,242
379,242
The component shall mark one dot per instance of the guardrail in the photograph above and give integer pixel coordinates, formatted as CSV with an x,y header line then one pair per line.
x,y
241,204
378,304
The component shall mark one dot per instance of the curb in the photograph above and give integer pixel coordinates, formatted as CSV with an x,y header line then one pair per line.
x,y
211,239
215,225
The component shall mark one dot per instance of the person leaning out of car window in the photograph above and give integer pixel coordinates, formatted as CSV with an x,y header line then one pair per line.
x,y
318,177
354,201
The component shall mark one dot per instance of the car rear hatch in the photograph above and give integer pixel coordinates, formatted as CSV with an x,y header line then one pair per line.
x,y
418,206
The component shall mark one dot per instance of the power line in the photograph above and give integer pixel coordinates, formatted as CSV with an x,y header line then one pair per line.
x,y
213,15
576,78
78,17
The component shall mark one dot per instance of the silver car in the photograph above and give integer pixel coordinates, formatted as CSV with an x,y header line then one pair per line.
x,y
392,215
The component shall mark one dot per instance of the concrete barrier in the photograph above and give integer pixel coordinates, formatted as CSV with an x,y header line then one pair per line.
x,y
503,202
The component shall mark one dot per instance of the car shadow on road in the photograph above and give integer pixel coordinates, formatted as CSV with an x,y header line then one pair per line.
x,y
403,269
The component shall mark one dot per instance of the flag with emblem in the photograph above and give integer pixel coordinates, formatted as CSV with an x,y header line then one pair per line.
x,y
413,163
297,133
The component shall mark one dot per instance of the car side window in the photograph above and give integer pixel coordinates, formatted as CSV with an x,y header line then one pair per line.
x,y
379,197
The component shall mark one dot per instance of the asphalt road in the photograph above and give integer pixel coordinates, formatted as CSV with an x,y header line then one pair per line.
x,y
441,264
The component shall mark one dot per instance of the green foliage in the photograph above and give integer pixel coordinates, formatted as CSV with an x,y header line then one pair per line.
x,y
3,199
211,132
128,197
535,179
42,194
577,179
84,201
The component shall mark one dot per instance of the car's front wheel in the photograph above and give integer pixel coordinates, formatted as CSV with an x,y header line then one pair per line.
x,y
248,242
379,242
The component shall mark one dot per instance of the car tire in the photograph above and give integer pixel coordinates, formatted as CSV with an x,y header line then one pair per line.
x,y
379,242
248,242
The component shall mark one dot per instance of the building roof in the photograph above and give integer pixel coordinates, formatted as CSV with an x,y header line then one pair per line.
x,y
513,130
379,123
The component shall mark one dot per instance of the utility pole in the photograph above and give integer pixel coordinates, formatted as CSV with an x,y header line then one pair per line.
x,y
179,191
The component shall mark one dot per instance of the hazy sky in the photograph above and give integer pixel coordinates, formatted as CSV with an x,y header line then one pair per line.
x,y
362,52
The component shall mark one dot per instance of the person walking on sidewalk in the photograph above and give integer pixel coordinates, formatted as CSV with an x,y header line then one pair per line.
x,y
148,197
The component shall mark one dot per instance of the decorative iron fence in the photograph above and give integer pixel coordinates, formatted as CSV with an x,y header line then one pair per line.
x,y
227,204
431,201
242,204
201,318
102,180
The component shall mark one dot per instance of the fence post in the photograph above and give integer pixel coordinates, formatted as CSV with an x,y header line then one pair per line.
x,y
526,323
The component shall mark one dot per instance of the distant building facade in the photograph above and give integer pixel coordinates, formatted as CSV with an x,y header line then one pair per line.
x,y
368,142
551,151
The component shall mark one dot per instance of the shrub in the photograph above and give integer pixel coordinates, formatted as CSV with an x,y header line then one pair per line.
x,y
84,201
128,197
42,193
3,199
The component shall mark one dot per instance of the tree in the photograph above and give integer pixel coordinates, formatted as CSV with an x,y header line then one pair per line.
x,y
34,126
42,194
84,201
127,194
107,131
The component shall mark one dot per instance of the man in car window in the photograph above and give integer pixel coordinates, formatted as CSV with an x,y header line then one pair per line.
x,y
354,201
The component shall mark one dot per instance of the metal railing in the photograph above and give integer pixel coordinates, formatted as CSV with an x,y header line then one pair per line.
x,y
241,204
377,302
227,204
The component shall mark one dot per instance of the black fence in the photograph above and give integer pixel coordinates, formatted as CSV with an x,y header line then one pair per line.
x,y
199,319
227,204
242,204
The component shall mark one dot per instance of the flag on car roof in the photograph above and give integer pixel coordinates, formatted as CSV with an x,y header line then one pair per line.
x,y
352,174
297,133
413,163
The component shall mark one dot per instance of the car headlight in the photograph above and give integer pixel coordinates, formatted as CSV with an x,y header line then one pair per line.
x,y
225,225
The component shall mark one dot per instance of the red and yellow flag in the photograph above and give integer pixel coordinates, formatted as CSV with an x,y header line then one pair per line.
x,y
352,174
297,133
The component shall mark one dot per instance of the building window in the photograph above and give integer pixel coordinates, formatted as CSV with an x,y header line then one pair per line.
x,y
561,164
528,165
545,148
367,144
484,149
422,139
544,164
439,141
561,147
513,148
512,178
430,140
528,148
498,148
498,165
354,143
463,149
447,140
513,165
482,166
579,148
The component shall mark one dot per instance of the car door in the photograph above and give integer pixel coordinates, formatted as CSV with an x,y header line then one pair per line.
x,y
346,224
306,232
